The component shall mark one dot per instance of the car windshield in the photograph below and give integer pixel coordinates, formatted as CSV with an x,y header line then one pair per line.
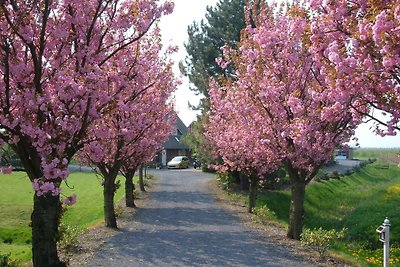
x,y
177,159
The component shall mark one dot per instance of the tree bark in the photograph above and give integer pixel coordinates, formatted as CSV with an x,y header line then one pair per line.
x,y
45,221
129,189
141,179
108,193
296,219
46,214
253,193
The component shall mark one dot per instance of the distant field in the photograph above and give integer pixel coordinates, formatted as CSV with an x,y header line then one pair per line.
x,y
16,207
388,156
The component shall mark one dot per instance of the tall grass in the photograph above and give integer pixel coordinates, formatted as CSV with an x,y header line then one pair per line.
x,y
16,202
359,202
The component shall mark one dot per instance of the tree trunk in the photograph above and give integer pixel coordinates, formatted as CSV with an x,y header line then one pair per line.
x,y
141,179
296,218
108,193
45,221
253,192
129,189
244,181
46,214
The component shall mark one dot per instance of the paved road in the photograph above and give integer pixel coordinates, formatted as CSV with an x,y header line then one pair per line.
x,y
181,225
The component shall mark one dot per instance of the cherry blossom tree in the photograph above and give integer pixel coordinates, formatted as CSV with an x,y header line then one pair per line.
x,y
155,136
54,64
357,44
237,136
286,112
136,123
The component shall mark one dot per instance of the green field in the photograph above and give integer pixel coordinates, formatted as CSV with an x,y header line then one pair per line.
x,y
359,202
16,207
384,155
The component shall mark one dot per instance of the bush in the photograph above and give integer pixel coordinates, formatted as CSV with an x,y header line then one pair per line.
x,y
322,175
5,261
321,240
356,168
225,180
118,211
349,172
68,236
264,214
335,175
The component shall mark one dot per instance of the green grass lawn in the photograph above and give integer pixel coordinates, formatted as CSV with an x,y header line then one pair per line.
x,y
16,207
359,202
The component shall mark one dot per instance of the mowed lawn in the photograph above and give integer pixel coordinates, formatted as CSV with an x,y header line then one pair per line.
x,y
16,202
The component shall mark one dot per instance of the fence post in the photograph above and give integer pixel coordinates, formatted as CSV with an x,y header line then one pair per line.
x,y
386,244
384,237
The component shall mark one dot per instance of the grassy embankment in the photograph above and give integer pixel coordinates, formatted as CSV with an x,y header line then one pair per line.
x,y
360,202
16,207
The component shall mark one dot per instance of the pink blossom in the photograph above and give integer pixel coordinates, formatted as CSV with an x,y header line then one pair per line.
x,y
7,169
282,116
71,200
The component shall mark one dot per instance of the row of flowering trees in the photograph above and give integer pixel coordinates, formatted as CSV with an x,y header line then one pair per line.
x,y
137,122
306,76
80,76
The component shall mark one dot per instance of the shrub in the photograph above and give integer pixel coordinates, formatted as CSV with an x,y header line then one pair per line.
x,y
225,180
356,168
5,261
68,236
118,211
235,198
335,175
264,214
349,172
321,240
322,175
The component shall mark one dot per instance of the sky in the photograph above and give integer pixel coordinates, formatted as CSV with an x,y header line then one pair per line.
x,y
174,32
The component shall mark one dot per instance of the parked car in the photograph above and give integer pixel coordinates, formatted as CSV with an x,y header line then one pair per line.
x,y
178,162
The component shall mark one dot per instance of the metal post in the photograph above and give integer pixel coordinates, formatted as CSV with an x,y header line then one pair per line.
x,y
386,244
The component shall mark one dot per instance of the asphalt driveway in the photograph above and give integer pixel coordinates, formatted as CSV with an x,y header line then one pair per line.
x,y
182,225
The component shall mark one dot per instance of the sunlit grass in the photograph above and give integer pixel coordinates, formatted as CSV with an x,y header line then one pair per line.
x,y
360,202
16,203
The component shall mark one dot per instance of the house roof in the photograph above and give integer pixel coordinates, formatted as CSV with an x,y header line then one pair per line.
x,y
175,140
181,126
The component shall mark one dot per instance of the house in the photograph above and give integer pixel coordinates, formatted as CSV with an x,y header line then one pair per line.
x,y
174,146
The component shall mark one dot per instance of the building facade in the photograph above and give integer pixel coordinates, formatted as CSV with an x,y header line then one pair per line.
x,y
174,146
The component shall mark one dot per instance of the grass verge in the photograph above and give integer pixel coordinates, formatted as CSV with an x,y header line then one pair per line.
x,y
16,208
359,202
